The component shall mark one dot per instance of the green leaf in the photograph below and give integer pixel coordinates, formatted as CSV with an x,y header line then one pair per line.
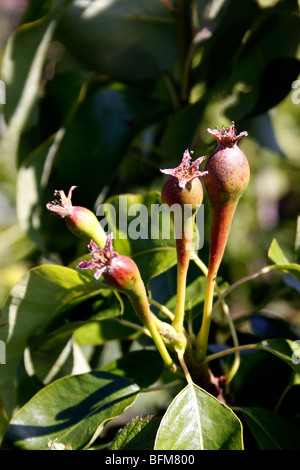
x,y
97,333
180,131
22,67
272,432
291,268
297,240
32,180
263,57
124,39
276,254
70,411
196,420
195,295
285,349
132,366
139,233
139,434
98,137
39,295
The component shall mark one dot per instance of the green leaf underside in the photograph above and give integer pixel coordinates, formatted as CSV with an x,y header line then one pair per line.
x,y
196,420
71,411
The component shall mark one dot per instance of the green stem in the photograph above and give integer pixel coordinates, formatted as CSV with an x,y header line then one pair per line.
x,y
158,388
184,367
236,363
161,346
140,303
202,337
162,308
199,263
250,277
219,354
225,308
180,297
184,250
152,331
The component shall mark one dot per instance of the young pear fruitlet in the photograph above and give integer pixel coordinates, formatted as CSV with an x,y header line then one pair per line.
x,y
227,177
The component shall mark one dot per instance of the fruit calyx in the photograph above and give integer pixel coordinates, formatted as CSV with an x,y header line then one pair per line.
x,y
227,136
186,171
183,186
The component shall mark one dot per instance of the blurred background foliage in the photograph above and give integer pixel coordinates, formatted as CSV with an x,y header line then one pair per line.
x,y
103,93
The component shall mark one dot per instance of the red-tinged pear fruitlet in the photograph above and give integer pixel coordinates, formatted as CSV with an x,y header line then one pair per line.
x,y
183,185
227,177
183,188
172,193
120,272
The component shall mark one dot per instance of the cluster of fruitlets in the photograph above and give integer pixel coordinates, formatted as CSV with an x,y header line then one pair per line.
x,y
225,176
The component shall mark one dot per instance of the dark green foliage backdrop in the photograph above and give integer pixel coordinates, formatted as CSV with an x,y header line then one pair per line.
x,y
102,94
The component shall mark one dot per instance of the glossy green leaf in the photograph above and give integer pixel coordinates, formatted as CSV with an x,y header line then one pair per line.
x,y
70,411
32,180
272,432
196,420
140,232
98,137
263,57
285,349
22,68
181,130
98,332
35,300
125,39
228,22
138,434
132,366
276,254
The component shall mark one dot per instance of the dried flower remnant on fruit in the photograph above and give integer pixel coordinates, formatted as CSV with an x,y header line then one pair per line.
x,y
63,206
101,257
187,170
82,222
227,136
